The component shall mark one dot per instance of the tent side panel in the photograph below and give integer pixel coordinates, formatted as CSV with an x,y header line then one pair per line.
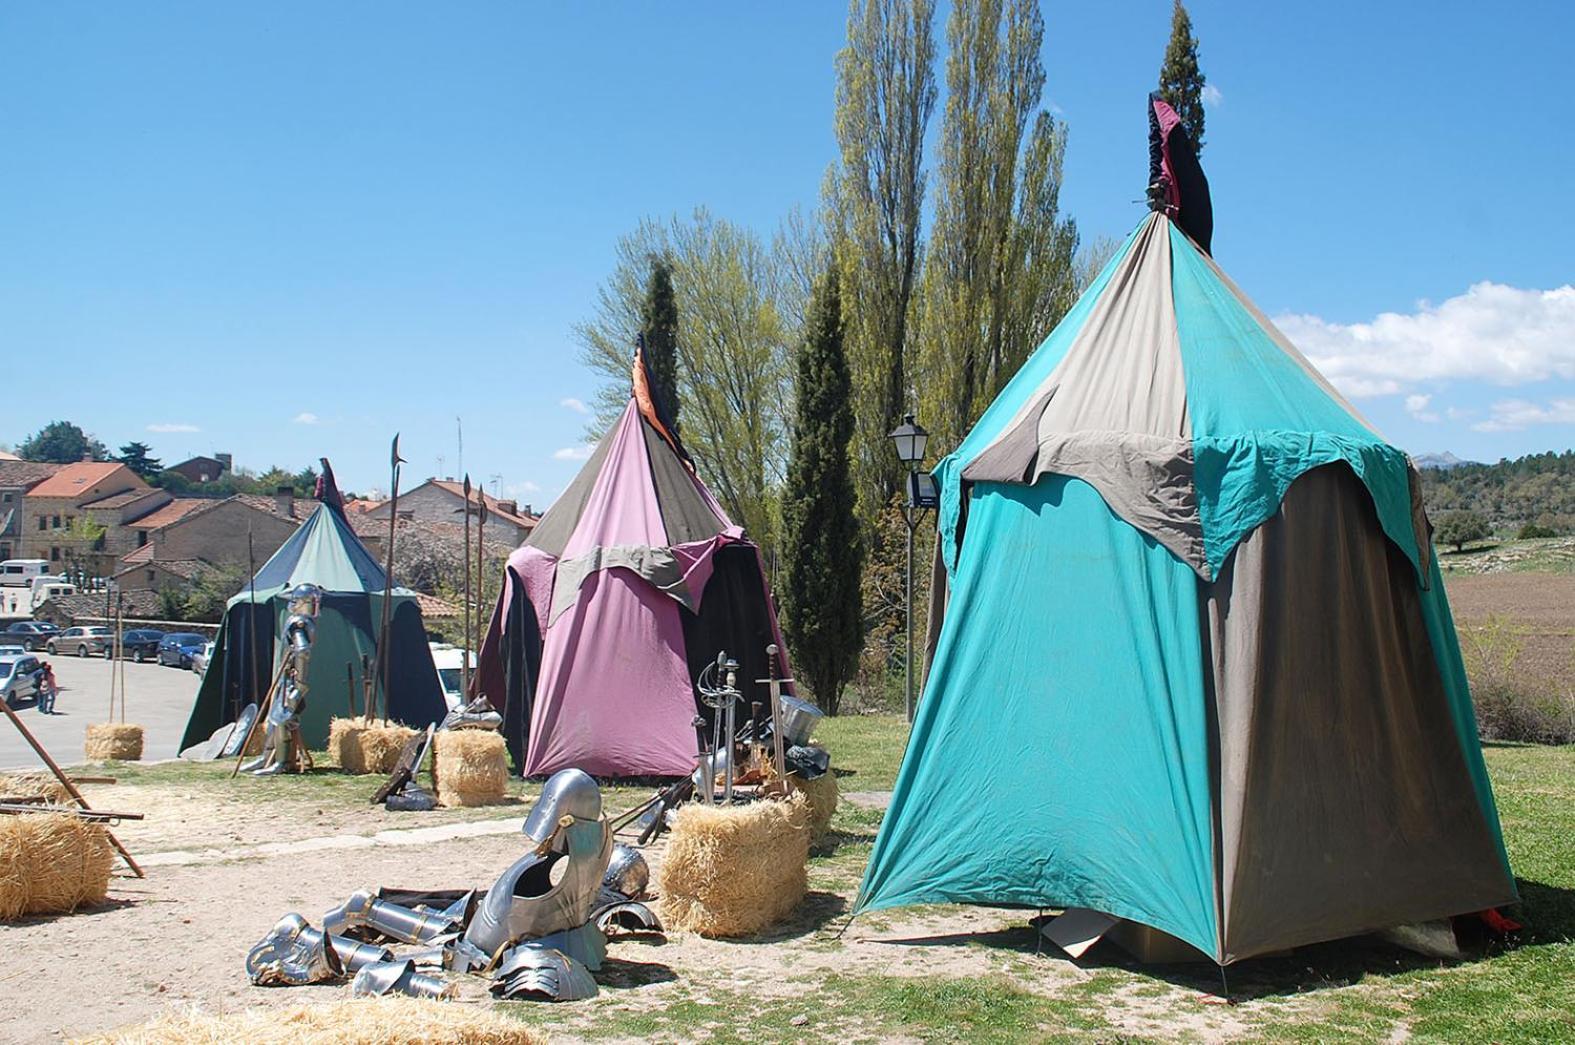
x,y
615,697
1060,756
1345,802
415,695
734,616
227,685
346,630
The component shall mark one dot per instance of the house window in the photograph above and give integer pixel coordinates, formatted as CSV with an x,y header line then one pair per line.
x,y
54,555
70,519
142,538
5,498
150,576
43,523
54,522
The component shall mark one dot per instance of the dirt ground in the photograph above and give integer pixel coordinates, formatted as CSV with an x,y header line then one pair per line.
x,y
1539,609
178,938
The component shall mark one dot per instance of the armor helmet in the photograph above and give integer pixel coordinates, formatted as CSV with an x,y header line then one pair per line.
x,y
627,872
568,792
305,600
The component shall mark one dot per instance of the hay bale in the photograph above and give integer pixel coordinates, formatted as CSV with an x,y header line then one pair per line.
x,y
472,767
51,863
359,1021
822,794
33,785
113,742
734,870
362,746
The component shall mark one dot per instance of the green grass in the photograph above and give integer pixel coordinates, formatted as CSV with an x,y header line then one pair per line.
x,y
865,749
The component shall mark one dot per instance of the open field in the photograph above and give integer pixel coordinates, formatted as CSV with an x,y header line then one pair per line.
x,y
226,858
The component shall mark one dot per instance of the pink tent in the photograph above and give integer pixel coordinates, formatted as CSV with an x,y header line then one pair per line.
x,y
632,582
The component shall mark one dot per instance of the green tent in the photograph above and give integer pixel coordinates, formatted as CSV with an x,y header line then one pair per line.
x,y
1195,667
324,551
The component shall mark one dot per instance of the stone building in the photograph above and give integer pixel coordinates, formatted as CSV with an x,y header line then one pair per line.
x,y
443,501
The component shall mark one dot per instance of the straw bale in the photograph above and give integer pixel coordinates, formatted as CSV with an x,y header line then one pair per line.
x,y
472,767
51,863
734,870
822,793
360,746
33,785
113,742
359,1021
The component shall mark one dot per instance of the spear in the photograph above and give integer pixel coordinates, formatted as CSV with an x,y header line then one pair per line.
x,y
394,461
481,521
251,616
464,658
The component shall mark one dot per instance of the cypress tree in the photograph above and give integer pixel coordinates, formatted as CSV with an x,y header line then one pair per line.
x,y
659,326
823,556
1180,80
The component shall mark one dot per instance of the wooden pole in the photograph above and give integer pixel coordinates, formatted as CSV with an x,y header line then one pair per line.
x,y
481,522
464,643
394,461
65,782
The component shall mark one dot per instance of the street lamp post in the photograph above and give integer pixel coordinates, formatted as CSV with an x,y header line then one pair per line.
x,y
910,438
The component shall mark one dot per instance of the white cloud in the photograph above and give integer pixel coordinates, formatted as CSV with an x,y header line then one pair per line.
x,y
573,453
1492,333
515,489
1212,96
577,405
305,418
172,426
1511,415
1416,406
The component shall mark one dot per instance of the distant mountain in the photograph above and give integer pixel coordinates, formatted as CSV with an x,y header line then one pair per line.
x,y
1537,488
1443,460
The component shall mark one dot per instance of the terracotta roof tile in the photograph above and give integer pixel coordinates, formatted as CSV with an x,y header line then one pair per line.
x,y
176,510
74,479
494,506
25,473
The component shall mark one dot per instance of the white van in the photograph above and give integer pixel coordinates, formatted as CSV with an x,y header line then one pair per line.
x,y
46,588
450,661
20,573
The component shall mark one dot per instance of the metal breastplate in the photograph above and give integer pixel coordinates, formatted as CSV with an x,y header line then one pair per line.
x,y
524,903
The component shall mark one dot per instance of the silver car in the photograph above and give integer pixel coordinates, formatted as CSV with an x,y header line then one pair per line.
x,y
84,642
200,659
19,678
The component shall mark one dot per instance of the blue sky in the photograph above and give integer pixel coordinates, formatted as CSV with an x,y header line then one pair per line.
x,y
289,229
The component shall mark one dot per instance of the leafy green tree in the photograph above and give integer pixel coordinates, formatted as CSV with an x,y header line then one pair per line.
x,y
1000,269
1180,80
61,442
874,201
139,458
659,327
823,555
1459,529
734,361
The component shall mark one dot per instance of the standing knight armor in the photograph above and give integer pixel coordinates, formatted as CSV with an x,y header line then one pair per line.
x,y
282,744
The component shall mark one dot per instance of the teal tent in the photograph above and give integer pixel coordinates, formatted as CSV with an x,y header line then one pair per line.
x,y
323,551
1194,665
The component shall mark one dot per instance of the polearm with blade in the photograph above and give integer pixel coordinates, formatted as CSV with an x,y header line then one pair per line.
x,y
394,461
464,658
481,521
251,617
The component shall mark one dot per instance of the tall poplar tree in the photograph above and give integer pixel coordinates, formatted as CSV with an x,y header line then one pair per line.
x,y
999,270
822,553
659,329
875,195
1180,80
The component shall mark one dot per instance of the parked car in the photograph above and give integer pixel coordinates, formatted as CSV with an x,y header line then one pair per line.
x,y
19,677
34,635
13,651
199,660
83,641
139,644
177,649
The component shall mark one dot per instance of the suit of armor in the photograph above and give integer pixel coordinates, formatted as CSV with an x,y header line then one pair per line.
x,y
282,745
